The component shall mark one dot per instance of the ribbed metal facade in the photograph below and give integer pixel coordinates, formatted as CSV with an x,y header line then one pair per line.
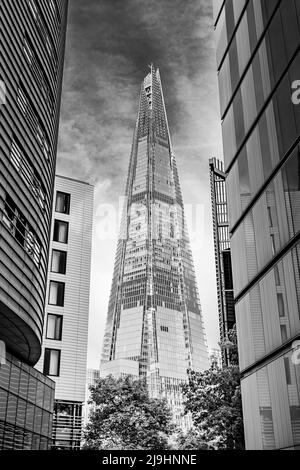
x,y
32,41
258,58
154,323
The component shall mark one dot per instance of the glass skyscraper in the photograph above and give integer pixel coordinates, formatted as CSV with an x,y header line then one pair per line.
x,y
258,59
154,324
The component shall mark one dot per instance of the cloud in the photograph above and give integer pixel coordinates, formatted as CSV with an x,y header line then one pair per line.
x,y
108,49
109,46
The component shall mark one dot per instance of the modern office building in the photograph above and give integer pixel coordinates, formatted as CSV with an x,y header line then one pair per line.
x,y
258,58
32,42
64,351
92,377
154,324
222,251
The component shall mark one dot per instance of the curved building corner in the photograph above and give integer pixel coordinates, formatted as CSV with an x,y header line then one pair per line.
x,y
32,43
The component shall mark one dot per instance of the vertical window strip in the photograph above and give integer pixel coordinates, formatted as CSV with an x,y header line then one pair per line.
x,y
23,167
37,128
33,8
55,11
21,230
48,43
36,69
28,52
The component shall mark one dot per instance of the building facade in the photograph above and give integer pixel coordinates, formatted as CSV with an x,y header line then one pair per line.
x,y
154,324
92,377
26,407
32,42
222,251
64,352
258,58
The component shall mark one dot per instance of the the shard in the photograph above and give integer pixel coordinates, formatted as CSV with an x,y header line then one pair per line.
x,y
154,323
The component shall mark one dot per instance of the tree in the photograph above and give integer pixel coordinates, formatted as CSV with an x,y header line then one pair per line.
x,y
213,397
191,440
230,343
126,418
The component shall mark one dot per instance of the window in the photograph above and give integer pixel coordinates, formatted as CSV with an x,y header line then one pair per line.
x,y
41,136
30,113
41,79
62,203
28,51
9,214
295,418
56,293
41,27
33,8
244,175
22,101
270,216
277,276
273,246
287,370
21,230
54,327
52,362
265,146
164,328
267,425
283,331
2,91
55,11
59,261
280,305
33,247
52,6
61,231
28,173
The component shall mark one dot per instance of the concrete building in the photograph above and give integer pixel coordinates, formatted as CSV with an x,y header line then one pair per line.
x,y
32,43
64,355
258,60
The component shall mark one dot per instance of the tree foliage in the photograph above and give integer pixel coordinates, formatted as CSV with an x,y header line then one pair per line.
x,y
191,440
126,418
233,349
213,397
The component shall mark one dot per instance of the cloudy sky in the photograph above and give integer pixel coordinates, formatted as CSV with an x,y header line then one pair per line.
x,y
109,46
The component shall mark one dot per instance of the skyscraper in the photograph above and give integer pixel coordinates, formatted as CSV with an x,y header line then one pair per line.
x,y
65,338
222,250
32,42
154,323
259,67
